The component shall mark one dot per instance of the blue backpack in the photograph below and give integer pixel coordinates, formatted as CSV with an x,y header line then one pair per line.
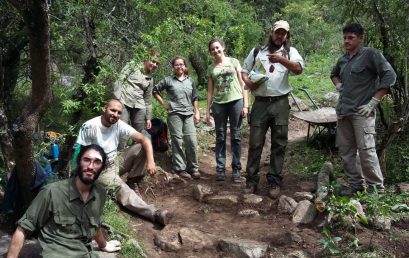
x,y
159,135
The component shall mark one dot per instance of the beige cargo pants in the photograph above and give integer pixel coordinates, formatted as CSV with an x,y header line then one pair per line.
x,y
133,162
356,144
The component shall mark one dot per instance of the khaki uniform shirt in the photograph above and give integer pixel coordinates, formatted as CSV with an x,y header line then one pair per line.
x,y
67,225
361,75
181,94
134,88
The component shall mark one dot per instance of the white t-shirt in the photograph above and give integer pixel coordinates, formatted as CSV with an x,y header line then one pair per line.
x,y
94,132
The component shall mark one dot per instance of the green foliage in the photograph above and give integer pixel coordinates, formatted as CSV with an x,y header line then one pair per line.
x,y
397,160
305,162
310,33
375,206
330,242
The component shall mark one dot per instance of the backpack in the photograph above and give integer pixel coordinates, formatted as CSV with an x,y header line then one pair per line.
x,y
159,135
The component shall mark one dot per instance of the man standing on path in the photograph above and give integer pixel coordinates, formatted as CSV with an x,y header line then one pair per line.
x,y
68,213
137,160
134,90
362,76
271,108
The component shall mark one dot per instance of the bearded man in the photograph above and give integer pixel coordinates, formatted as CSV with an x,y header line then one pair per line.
x,y
271,108
68,213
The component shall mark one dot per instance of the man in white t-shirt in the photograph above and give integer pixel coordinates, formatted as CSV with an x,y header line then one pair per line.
x,y
108,131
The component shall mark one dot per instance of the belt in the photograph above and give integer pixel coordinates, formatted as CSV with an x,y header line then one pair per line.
x,y
269,99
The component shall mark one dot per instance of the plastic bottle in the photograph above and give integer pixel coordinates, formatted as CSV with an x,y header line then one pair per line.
x,y
55,151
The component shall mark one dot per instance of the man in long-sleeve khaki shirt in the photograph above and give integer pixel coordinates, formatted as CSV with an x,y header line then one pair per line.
x,y
362,76
134,90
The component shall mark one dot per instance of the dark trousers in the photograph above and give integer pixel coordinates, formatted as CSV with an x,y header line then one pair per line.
x,y
268,113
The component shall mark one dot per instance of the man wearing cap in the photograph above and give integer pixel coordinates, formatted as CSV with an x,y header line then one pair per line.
x,y
271,107
134,89
362,76
68,213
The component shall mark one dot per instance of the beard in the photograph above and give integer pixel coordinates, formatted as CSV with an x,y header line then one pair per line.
x,y
88,181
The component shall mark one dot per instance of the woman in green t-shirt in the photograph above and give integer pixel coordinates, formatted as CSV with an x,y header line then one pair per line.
x,y
227,99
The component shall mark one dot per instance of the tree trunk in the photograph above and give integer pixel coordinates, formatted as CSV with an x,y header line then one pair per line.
x,y
91,71
9,67
200,67
35,15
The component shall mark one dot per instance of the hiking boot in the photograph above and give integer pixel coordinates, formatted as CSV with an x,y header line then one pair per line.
x,y
220,177
162,217
349,191
195,174
274,191
236,177
184,174
250,189
373,189
238,180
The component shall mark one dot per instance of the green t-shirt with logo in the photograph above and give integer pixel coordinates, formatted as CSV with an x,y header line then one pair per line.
x,y
226,83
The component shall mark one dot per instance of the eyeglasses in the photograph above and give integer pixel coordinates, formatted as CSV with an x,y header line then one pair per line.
x,y
88,161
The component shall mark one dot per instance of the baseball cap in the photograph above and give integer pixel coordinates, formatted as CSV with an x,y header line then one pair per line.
x,y
280,25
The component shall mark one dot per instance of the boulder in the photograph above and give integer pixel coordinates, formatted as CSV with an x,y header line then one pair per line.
x,y
304,213
286,204
243,248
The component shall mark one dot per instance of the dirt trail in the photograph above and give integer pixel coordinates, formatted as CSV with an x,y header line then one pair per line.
x,y
270,227
224,221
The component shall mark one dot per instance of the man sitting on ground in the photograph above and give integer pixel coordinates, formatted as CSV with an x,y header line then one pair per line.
x,y
108,131
68,212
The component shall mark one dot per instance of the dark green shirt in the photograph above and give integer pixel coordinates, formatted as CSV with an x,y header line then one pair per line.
x,y
361,75
181,94
67,225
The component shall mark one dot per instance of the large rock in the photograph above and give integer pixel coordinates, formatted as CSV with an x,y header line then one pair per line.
x,y
249,213
243,248
194,239
201,191
300,196
382,223
252,199
403,187
223,200
166,243
304,212
297,254
286,204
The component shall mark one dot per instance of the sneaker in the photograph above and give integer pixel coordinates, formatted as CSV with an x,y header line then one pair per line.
x,y
195,174
184,174
274,191
250,189
220,177
349,191
162,217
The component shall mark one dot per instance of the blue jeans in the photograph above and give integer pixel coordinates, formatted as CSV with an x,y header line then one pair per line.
x,y
232,112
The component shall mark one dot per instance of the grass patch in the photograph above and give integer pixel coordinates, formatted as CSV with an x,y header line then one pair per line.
x,y
120,224
305,162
